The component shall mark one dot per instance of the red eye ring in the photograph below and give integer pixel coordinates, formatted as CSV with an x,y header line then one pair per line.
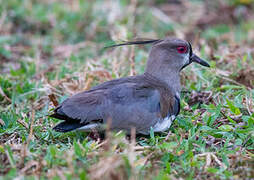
x,y
181,49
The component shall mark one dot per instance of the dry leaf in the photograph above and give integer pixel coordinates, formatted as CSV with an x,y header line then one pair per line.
x,y
52,98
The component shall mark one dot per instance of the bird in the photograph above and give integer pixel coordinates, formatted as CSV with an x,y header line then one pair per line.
x,y
147,101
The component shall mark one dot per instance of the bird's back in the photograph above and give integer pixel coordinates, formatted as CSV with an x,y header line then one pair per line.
x,y
136,101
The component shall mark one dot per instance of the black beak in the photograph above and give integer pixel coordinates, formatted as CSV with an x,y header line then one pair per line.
x,y
195,58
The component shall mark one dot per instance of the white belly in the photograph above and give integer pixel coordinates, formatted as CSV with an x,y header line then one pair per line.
x,y
90,127
164,124
160,126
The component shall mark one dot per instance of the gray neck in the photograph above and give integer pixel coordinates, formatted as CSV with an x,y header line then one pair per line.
x,y
170,76
162,65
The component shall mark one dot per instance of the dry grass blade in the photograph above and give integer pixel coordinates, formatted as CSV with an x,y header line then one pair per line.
x,y
218,161
209,156
4,95
2,122
141,148
131,151
2,19
132,54
168,135
105,167
208,160
34,165
249,105
10,159
132,61
24,124
31,127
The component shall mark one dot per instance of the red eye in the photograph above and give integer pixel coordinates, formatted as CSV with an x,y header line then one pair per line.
x,y
182,49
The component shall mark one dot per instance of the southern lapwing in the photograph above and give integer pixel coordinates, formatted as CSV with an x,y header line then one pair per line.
x,y
149,100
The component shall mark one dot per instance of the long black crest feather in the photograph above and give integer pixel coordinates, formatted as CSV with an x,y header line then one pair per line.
x,y
136,42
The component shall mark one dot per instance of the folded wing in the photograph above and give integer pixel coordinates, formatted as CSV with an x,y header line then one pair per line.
x,y
129,103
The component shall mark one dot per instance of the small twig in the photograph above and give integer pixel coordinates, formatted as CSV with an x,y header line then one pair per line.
x,y
52,98
31,127
133,136
167,137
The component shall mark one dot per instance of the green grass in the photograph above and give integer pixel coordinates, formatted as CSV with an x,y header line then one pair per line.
x,y
57,47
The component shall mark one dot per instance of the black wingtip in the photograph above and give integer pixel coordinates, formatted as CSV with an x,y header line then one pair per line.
x,y
57,116
135,42
60,129
67,126
61,117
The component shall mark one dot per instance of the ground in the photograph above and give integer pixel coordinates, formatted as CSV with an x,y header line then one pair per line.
x,y
51,49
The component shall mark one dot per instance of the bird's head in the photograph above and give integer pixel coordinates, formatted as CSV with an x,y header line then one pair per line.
x,y
172,54
169,54
167,58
